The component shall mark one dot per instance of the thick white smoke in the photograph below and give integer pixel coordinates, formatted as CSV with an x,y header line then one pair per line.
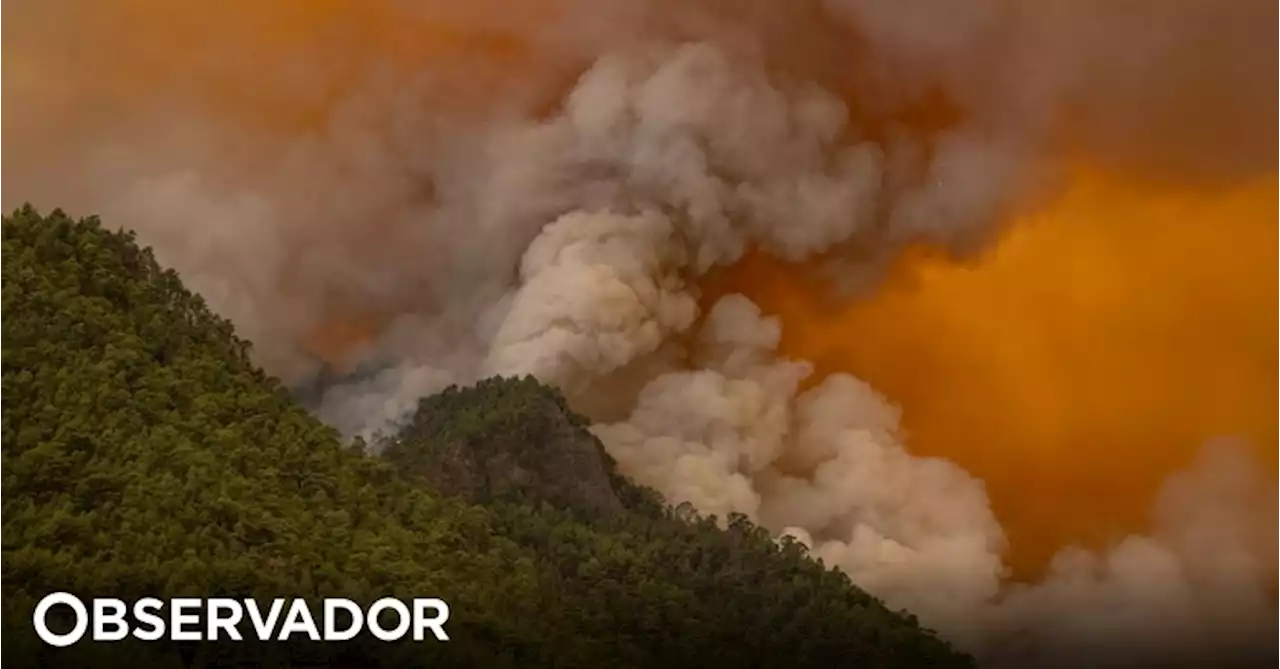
x,y
1194,592
568,246
733,435
712,157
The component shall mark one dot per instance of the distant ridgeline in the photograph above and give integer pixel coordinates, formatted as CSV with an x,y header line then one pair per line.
x,y
145,455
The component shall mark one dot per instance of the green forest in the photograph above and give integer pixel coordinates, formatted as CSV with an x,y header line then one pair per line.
x,y
145,455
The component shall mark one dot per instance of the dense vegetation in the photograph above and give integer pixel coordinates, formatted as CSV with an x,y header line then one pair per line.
x,y
514,440
143,454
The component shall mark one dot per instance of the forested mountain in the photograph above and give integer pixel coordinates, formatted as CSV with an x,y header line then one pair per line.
x,y
144,454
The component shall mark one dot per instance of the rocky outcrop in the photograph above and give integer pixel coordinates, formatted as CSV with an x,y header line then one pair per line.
x,y
507,439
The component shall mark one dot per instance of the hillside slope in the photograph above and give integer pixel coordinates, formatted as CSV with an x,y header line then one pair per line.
x,y
143,454
512,439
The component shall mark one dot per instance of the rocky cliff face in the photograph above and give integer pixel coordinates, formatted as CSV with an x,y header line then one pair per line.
x,y
507,438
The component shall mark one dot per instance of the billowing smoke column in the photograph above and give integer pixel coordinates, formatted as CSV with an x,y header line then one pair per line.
x,y
421,195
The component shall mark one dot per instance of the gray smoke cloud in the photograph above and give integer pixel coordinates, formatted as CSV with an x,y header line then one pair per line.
x,y
555,222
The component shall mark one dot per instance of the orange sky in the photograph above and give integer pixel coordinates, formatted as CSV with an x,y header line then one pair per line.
x,y
1072,367
1078,363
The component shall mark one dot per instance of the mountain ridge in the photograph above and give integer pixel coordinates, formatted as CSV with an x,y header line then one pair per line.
x,y
145,455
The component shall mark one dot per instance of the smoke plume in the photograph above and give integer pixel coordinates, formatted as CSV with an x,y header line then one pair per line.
x,y
387,197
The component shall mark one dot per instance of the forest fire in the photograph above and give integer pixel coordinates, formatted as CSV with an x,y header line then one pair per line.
x,y
1075,365
392,197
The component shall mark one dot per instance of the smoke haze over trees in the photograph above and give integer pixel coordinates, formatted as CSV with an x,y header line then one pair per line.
x,y
391,198
145,456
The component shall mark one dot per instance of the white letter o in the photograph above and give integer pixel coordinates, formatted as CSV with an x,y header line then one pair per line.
x,y
395,605
42,610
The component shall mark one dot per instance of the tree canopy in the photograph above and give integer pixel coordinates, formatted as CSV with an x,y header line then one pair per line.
x,y
145,455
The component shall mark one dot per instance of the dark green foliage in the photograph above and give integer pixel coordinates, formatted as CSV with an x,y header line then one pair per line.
x,y
512,439
143,454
